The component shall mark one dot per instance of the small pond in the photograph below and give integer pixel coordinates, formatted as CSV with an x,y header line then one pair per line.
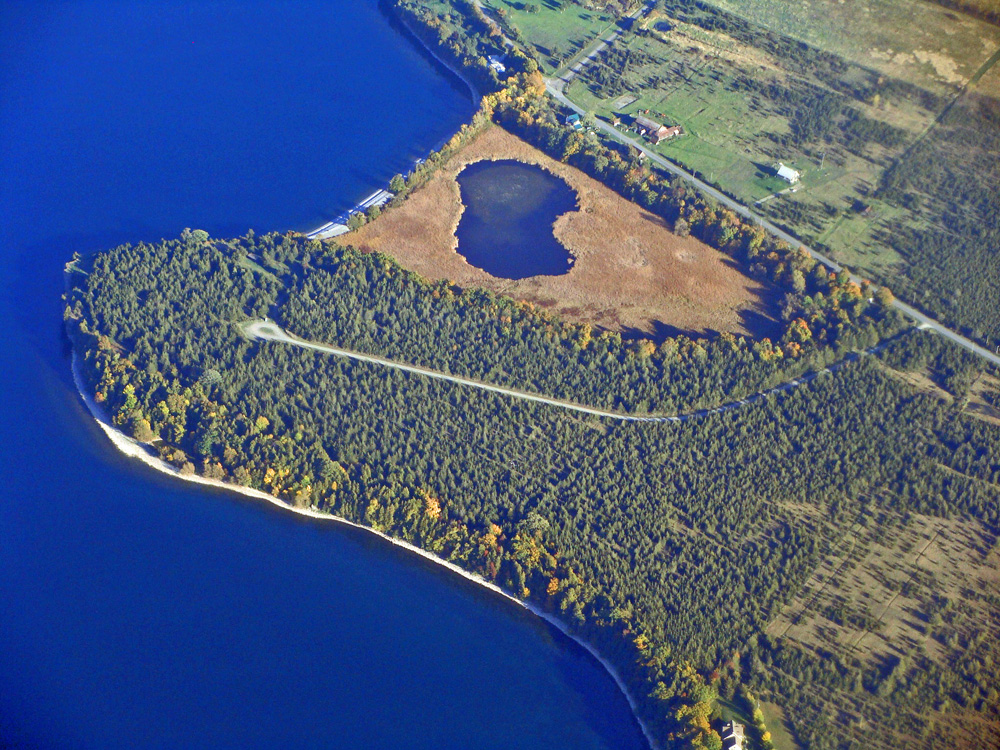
x,y
506,228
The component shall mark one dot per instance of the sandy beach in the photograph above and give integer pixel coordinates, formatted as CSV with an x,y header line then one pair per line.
x,y
134,449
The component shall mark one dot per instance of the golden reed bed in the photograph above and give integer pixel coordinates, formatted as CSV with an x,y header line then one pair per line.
x,y
631,272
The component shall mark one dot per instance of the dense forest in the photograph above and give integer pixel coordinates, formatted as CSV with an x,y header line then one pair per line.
x,y
948,180
670,546
368,303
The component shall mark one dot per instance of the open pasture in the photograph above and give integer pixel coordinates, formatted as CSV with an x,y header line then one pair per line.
x,y
555,32
916,41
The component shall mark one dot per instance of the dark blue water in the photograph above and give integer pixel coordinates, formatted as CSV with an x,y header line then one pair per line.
x,y
506,228
138,612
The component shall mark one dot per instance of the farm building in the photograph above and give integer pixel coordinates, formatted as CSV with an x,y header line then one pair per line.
x,y
732,736
670,132
656,131
789,175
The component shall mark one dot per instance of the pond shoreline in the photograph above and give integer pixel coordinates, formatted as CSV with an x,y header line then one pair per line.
x,y
134,449
507,226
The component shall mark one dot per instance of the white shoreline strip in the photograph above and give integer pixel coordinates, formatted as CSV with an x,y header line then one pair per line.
x,y
133,449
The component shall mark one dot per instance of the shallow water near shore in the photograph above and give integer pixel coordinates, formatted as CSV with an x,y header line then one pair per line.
x,y
143,612
506,227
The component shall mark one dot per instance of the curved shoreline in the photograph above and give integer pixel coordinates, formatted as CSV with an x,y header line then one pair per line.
x,y
134,449
476,96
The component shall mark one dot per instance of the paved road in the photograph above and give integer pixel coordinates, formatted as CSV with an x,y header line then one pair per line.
x,y
605,41
267,331
555,88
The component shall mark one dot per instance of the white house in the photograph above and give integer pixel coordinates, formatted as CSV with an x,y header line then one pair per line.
x,y
732,736
789,175
496,62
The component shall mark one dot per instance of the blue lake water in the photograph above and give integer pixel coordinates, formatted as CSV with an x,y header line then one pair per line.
x,y
506,228
139,612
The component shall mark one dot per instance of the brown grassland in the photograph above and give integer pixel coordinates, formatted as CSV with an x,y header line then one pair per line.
x,y
884,578
630,272
902,585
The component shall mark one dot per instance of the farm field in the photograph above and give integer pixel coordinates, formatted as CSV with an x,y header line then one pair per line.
x,y
913,40
556,33
664,283
895,177
699,80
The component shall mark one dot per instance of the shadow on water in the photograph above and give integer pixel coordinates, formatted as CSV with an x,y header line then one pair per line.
x,y
506,228
393,22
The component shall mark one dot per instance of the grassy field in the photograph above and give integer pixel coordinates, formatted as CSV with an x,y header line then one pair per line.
x,y
908,591
663,283
913,40
777,725
556,33
692,77
876,595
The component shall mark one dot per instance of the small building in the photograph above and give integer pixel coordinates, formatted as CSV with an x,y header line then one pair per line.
x,y
733,736
789,175
645,124
574,121
496,62
671,132
655,131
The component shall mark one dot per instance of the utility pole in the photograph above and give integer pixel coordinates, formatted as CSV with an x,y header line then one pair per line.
x,y
822,161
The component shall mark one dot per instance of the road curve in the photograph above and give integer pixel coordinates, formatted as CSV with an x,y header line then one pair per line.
x,y
266,330
555,88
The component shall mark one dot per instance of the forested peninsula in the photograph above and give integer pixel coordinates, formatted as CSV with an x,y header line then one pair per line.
x,y
668,546
678,549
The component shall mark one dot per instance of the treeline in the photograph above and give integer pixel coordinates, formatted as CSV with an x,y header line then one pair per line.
x,y
466,39
670,546
952,245
368,303
816,114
